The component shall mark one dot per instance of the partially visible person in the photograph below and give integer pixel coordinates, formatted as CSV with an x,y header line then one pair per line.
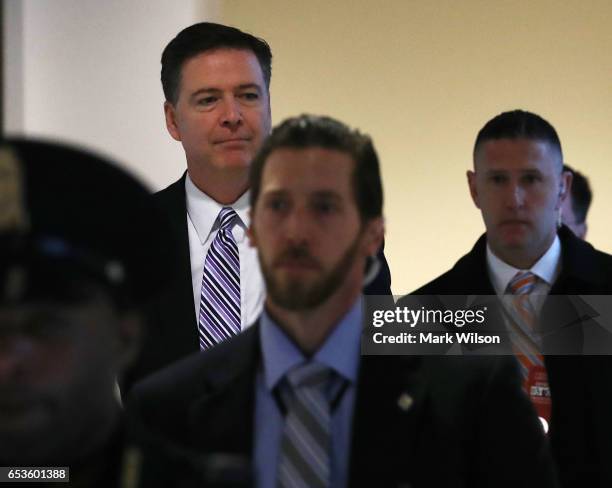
x,y
292,395
519,185
82,251
576,206
216,83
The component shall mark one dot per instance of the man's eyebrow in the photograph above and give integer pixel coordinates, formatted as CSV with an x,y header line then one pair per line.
x,y
329,194
248,86
274,193
217,91
205,91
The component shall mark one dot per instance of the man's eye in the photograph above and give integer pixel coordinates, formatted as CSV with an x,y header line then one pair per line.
x,y
530,179
46,326
324,207
277,205
250,96
498,179
206,101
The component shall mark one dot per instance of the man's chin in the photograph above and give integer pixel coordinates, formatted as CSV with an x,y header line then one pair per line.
x,y
514,235
234,159
514,242
294,294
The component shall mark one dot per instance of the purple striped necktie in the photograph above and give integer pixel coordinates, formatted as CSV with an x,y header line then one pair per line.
x,y
219,316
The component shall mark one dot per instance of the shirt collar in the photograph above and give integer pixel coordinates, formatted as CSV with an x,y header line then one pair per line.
x,y
546,268
340,351
203,210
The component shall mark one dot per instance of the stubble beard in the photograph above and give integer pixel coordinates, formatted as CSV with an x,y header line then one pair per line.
x,y
296,295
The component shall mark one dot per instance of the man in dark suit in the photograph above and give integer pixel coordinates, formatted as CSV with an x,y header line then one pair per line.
x,y
75,278
216,81
292,396
519,185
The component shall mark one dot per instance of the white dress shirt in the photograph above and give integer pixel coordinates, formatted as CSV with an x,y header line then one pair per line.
x,y
547,269
202,226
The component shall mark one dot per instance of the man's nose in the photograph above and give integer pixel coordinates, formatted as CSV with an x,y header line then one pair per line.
x,y
297,224
232,114
515,195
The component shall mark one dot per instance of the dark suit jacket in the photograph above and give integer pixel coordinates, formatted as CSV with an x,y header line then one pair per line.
x,y
172,333
469,424
581,386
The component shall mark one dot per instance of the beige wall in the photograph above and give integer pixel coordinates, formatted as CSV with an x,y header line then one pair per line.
x,y
423,77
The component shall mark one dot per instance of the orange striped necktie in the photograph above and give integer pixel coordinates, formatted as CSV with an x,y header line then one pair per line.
x,y
523,332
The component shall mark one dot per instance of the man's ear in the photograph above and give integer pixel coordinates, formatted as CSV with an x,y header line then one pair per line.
x,y
565,186
374,235
471,179
171,125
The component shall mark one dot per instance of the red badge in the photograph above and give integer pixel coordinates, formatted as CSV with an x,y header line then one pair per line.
x,y
536,386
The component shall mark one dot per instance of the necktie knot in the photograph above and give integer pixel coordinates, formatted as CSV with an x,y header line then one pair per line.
x,y
522,283
314,379
309,375
226,218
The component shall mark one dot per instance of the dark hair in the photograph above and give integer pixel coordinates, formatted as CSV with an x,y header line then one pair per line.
x,y
308,131
581,194
207,36
519,124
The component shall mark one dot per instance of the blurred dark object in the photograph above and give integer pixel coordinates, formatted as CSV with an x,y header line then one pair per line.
x,y
83,249
66,212
576,207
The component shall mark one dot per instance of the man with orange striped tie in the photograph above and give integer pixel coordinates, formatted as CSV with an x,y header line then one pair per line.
x,y
525,257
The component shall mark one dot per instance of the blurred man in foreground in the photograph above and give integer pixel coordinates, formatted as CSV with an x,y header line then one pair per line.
x,y
293,396
82,251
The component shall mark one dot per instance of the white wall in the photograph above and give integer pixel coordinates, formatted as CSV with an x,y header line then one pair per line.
x,y
87,72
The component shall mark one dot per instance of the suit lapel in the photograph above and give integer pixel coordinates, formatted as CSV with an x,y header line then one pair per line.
x,y
580,270
472,277
386,428
177,310
472,270
223,415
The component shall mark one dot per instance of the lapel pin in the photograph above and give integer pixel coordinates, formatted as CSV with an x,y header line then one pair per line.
x,y
405,401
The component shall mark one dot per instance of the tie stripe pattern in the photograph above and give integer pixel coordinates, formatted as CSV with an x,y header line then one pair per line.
x,y
219,316
523,323
305,446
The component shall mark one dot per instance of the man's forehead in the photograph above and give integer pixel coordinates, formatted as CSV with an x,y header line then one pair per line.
x,y
516,154
224,59
316,168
